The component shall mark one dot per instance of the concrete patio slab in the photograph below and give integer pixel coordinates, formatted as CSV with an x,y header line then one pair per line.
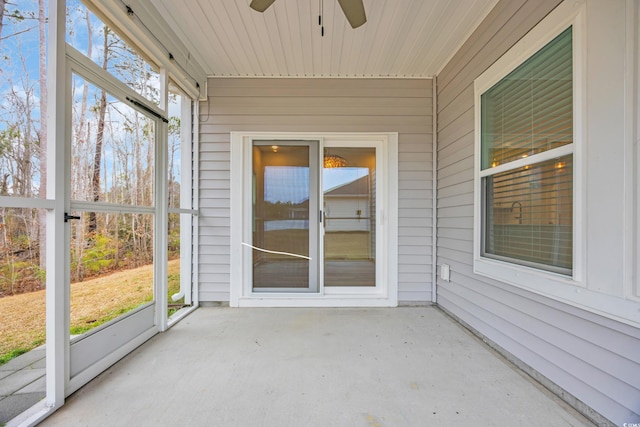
x,y
22,383
38,386
314,367
17,403
19,380
24,360
4,374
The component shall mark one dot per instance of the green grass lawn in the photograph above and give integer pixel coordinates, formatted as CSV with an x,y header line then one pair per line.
x,y
93,303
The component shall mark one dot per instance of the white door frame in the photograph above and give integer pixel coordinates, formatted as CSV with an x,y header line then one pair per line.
x,y
384,295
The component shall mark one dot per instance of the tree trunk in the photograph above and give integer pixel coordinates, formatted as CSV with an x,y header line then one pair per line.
x,y
43,132
97,158
2,6
85,88
83,136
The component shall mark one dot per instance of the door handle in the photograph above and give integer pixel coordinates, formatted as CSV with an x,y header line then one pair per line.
x,y
67,217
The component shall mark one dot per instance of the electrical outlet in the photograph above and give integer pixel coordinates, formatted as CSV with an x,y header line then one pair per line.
x,y
445,271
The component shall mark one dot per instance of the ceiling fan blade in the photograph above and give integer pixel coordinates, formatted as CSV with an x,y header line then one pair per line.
x,y
260,5
354,11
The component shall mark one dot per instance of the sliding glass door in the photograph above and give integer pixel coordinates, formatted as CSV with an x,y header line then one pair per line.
x,y
313,217
284,216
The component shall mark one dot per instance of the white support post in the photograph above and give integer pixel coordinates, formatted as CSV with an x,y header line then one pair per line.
x,y
57,301
161,224
186,165
161,257
194,182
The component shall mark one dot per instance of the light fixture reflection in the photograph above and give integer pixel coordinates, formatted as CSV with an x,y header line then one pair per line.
x,y
334,161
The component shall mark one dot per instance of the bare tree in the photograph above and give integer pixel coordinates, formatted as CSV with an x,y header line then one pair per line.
x,y
21,133
97,157
16,15
85,89
83,136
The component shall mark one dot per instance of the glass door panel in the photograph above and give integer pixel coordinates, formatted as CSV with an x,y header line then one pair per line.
x,y
349,188
284,235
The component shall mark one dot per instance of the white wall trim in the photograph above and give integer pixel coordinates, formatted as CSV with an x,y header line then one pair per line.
x,y
636,143
323,77
434,196
386,295
632,153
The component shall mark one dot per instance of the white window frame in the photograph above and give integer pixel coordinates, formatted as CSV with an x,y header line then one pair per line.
x,y
568,14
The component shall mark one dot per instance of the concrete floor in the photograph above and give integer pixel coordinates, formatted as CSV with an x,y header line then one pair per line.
x,y
314,367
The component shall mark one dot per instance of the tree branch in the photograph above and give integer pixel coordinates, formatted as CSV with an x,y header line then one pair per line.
x,y
19,32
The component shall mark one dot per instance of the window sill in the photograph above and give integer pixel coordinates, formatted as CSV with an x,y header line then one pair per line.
x,y
560,288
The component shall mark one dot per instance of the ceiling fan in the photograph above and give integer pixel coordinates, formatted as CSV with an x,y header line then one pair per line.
x,y
353,10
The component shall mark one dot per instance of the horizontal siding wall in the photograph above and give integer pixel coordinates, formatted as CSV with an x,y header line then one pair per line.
x,y
595,359
319,105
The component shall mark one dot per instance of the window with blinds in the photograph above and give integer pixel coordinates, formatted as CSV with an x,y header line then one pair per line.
x,y
526,139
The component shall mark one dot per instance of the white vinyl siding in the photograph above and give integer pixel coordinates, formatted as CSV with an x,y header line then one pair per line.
x,y
574,351
318,105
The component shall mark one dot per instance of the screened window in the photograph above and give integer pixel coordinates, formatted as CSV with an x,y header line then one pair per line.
x,y
526,161
104,45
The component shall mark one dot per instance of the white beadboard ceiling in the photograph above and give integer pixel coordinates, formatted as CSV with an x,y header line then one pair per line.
x,y
402,38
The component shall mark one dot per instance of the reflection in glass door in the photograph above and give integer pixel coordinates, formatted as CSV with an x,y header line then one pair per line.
x,y
285,217
349,188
